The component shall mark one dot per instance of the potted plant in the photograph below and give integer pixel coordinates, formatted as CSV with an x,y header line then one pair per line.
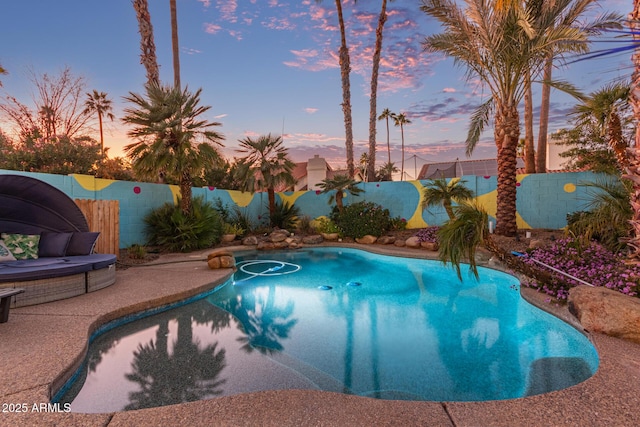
x,y
231,231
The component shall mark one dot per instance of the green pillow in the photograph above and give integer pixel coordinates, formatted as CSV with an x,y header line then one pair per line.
x,y
22,246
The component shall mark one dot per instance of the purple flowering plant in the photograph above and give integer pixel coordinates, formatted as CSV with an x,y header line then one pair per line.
x,y
429,234
592,263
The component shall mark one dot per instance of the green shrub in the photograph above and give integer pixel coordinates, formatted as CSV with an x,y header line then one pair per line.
x,y
304,225
137,251
325,225
170,229
362,218
398,223
285,216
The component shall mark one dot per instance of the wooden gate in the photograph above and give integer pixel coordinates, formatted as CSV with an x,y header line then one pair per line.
x,y
103,216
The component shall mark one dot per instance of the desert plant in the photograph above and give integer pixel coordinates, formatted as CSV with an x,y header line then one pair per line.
x,y
438,191
459,237
304,225
233,229
169,228
137,251
325,225
608,213
398,223
284,216
362,218
340,184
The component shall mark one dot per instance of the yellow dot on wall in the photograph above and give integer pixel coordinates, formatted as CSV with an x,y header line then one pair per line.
x,y
569,188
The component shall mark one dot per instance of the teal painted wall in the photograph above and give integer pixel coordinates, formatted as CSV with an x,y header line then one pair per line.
x,y
543,199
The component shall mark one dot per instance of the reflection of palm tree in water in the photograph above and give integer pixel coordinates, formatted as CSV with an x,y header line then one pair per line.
x,y
265,325
189,373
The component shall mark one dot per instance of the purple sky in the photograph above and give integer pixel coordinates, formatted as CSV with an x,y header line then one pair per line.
x,y
270,66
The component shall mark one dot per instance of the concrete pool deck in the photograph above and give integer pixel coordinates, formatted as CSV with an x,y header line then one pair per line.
x,y
40,345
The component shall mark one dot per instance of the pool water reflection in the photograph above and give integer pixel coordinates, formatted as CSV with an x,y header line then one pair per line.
x,y
341,320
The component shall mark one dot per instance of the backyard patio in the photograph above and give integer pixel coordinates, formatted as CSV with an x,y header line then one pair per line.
x,y
43,344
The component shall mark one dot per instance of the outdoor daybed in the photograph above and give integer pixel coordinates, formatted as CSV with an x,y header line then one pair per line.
x,y
46,247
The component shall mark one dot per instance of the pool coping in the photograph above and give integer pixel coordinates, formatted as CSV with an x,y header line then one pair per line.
x,y
39,341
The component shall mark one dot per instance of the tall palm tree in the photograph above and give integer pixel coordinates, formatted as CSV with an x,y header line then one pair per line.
x,y
401,120
345,69
147,44
498,46
438,191
340,184
386,171
603,107
97,102
633,154
571,17
172,137
529,151
265,166
175,46
382,18
386,115
364,164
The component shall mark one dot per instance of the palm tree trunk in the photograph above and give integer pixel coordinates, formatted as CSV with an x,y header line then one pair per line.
x,y
529,152
371,169
271,194
174,43
402,167
507,132
616,141
345,69
388,145
147,44
185,192
633,154
541,162
101,134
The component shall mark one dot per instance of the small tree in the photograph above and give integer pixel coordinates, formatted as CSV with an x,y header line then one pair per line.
x,y
340,184
438,191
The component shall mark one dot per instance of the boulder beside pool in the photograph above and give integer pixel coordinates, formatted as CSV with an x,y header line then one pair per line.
x,y
221,259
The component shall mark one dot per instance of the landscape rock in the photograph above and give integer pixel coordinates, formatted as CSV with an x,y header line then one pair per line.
x,y
536,243
314,239
386,240
399,243
250,241
367,239
214,263
278,236
266,246
219,253
330,236
413,242
606,311
430,246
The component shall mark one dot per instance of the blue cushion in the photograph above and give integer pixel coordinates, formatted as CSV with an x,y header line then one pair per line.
x,y
82,243
53,244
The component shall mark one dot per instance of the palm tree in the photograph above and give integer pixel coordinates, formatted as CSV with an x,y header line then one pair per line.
x,y
386,115
571,17
529,151
97,102
499,46
265,166
401,120
438,191
345,69
175,46
364,165
147,43
371,170
386,171
340,184
603,107
172,137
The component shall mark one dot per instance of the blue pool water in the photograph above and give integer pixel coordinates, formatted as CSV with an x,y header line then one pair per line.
x,y
340,320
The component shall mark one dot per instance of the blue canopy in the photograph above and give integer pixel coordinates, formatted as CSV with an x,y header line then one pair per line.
x,y
30,206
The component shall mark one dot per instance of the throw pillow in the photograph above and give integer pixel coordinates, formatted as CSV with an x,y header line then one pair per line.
x,y
53,244
22,246
5,253
82,243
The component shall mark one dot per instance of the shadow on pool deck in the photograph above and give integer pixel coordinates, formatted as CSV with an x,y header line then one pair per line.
x,y
41,345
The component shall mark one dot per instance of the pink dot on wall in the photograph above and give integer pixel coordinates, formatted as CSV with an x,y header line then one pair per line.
x,y
487,177
377,185
211,188
318,192
136,189
517,184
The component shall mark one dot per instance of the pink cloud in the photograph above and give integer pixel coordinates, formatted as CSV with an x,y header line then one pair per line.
x,y
212,28
310,110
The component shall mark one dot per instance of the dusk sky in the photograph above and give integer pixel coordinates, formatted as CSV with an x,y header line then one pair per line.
x,y
271,66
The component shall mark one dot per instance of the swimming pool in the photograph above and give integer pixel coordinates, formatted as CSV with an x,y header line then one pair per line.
x,y
340,320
